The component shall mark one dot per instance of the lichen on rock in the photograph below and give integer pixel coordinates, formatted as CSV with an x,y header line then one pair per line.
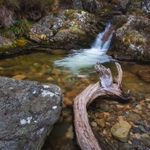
x,y
28,113
68,28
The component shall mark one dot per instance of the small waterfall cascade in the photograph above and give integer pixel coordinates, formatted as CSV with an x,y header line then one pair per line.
x,y
85,58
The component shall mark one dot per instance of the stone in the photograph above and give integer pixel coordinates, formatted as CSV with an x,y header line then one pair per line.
x,y
133,117
148,97
146,141
19,77
28,112
101,122
139,107
120,130
94,124
69,133
67,101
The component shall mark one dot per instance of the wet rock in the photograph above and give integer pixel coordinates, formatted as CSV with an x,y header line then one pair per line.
x,y
101,122
28,112
133,117
120,130
139,107
94,124
124,146
142,129
146,140
70,133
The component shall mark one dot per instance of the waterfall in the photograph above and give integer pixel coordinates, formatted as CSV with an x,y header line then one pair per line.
x,y
85,58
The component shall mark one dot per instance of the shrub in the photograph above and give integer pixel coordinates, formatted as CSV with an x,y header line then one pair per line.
x,y
20,28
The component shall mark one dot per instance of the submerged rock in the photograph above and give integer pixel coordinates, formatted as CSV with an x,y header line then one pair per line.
x,y
144,75
120,130
28,111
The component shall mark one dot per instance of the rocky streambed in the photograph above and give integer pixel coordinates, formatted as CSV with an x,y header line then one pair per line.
x,y
124,126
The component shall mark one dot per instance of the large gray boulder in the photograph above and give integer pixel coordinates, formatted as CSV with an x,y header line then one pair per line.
x,y
28,111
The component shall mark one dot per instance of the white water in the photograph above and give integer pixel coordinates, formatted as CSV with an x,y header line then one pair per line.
x,y
86,58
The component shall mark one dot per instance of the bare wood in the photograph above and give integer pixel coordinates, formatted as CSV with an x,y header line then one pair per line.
x,y
105,87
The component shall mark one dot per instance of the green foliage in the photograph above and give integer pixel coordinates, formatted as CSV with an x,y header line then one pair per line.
x,y
20,27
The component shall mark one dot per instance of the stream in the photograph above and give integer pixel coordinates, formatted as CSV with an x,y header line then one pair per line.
x,y
73,73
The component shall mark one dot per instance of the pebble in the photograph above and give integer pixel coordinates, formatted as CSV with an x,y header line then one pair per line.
x,y
50,79
142,129
139,107
94,124
69,133
67,101
147,97
101,122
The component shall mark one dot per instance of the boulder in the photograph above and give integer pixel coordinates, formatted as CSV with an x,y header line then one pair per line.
x,y
28,112
66,29
131,39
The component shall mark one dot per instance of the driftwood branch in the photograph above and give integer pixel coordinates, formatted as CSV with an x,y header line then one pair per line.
x,y
105,87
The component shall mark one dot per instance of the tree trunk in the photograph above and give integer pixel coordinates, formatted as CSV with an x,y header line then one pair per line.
x,y
105,87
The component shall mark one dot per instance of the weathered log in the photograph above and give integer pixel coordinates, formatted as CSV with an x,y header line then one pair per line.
x,y
105,87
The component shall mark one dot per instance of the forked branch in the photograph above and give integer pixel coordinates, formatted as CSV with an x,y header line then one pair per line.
x,y
105,87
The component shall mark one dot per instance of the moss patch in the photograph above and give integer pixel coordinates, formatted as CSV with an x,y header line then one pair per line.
x,y
134,38
76,30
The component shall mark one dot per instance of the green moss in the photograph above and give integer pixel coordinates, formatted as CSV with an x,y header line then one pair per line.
x,y
69,12
134,38
21,42
76,30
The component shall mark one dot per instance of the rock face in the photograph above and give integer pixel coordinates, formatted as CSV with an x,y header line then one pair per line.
x,y
28,111
132,38
66,29
120,130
